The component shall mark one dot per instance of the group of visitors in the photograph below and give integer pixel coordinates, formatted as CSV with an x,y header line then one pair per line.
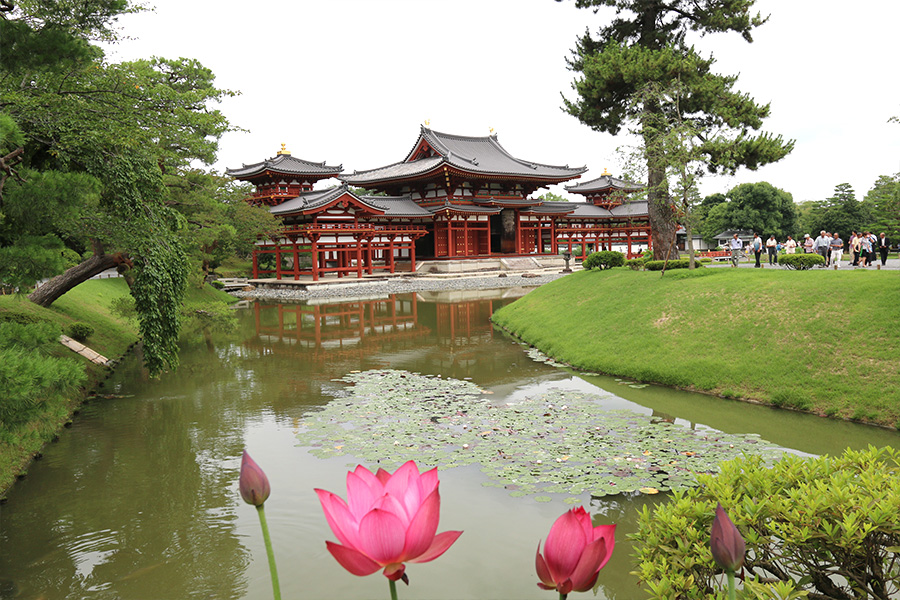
x,y
865,246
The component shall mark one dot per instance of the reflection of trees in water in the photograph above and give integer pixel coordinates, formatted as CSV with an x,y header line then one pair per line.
x,y
134,502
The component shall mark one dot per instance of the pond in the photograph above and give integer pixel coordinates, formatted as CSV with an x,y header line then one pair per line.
x,y
139,498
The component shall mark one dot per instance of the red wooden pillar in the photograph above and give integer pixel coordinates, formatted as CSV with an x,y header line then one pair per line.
x,y
296,252
314,257
412,253
256,263
278,260
391,254
359,266
554,247
629,243
451,243
518,233
466,236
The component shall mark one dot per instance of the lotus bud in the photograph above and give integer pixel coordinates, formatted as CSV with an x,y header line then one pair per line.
x,y
726,543
254,484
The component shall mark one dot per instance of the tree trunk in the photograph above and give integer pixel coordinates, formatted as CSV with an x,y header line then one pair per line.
x,y
48,293
662,215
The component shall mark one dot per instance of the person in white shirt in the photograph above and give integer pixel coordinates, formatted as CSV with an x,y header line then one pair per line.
x,y
790,245
736,245
837,250
772,250
822,245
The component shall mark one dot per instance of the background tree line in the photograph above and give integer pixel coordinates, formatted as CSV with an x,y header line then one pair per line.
x,y
768,210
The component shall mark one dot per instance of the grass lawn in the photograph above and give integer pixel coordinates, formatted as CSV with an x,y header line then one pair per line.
x,y
823,341
91,303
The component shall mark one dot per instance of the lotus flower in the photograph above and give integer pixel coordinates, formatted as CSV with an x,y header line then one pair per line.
x,y
254,484
574,553
390,520
725,542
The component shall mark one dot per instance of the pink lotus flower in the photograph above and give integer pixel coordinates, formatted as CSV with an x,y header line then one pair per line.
x,y
390,520
574,553
253,483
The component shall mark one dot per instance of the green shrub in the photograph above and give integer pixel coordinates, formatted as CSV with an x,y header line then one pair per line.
x,y
801,262
41,336
827,526
657,265
217,284
79,331
11,316
636,264
605,259
28,375
706,260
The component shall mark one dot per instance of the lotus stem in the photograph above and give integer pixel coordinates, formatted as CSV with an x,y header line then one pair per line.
x,y
393,586
276,589
731,592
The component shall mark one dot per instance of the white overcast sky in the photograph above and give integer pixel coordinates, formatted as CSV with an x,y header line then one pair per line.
x,y
350,81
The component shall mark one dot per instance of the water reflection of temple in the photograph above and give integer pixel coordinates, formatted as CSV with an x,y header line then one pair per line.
x,y
447,333
346,325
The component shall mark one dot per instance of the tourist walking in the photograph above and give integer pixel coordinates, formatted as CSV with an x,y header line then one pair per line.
x,y
873,247
822,245
853,246
757,245
772,250
883,247
790,245
865,249
736,245
807,244
837,249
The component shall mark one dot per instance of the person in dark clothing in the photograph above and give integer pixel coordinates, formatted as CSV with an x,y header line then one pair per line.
x,y
883,246
757,245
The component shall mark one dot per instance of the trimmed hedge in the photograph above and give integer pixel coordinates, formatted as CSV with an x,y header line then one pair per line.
x,y
801,262
605,259
636,264
681,263
80,331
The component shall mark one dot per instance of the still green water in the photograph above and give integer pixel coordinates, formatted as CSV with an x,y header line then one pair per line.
x,y
138,500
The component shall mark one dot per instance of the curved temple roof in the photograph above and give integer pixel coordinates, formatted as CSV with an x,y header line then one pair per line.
x,y
287,165
477,155
602,184
391,206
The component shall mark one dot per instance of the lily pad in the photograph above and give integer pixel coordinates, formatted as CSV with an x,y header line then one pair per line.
x,y
554,442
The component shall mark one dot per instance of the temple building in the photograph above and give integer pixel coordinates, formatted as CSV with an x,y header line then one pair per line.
x,y
451,198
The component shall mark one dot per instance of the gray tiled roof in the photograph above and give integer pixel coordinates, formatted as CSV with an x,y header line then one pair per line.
x,y
397,206
287,164
638,208
312,200
481,155
464,208
588,210
391,206
604,182
552,208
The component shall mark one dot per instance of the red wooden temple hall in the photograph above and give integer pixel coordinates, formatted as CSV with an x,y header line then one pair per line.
x,y
452,198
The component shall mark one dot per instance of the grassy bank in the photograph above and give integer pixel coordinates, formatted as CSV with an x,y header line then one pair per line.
x,y
821,341
113,335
